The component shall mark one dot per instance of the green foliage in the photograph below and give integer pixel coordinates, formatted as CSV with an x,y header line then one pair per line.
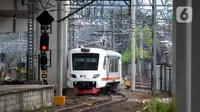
x,y
27,110
43,106
145,54
156,106
147,42
126,58
172,105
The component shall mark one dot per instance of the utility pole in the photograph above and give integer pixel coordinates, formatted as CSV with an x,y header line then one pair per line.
x,y
112,31
59,49
141,49
113,38
70,35
141,53
133,72
154,47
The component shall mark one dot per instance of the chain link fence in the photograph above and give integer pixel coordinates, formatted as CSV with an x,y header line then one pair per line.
x,y
13,46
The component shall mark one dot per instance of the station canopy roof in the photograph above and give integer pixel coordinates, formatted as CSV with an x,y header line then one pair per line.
x,y
15,13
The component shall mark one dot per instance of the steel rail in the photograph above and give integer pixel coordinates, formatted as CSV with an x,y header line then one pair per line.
x,y
112,101
78,106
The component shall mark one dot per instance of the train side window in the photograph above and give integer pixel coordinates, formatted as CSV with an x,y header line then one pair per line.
x,y
104,63
110,65
116,65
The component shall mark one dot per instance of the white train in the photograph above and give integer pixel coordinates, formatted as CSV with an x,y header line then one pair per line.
x,y
92,69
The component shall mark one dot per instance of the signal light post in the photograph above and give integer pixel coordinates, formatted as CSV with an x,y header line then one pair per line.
x,y
45,19
44,41
44,45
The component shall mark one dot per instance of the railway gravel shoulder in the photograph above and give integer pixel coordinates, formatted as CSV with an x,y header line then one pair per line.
x,y
112,101
82,105
85,107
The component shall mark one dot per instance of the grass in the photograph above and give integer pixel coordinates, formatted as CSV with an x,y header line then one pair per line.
x,y
27,110
43,106
156,106
47,108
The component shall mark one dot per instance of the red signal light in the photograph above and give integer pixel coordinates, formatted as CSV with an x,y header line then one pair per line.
x,y
44,47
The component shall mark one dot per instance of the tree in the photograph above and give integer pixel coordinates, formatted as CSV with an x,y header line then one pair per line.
x,y
147,42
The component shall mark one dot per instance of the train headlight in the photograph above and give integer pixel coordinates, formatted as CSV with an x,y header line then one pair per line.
x,y
73,75
96,76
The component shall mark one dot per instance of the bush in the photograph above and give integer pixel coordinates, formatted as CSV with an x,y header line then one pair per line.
x,y
157,106
172,105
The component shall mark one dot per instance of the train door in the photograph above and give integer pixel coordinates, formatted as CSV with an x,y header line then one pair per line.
x,y
113,65
119,67
107,66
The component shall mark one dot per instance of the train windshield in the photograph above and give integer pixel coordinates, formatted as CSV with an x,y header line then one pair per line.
x,y
85,61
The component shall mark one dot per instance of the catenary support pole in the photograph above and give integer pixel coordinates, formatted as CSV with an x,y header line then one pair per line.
x,y
37,51
133,72
154,48
59,49
113,38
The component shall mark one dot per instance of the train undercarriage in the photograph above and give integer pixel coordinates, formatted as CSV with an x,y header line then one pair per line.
x,y
89,87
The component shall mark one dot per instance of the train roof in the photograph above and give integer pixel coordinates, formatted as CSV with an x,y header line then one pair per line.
x,y
113,52
96,50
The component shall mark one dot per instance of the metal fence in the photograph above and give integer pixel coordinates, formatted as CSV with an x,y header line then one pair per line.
x,y
14,47
164,77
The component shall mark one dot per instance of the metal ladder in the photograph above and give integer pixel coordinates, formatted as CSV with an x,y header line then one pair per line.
x,y
30,55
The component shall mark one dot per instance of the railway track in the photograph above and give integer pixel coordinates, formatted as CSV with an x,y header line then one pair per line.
x,y
87,107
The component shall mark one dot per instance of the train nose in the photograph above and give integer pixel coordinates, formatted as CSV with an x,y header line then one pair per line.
x,y
84,85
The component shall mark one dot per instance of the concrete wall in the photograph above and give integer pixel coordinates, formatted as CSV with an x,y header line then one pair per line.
x,y
28,99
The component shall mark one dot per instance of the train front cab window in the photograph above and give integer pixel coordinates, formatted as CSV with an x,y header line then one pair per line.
x,y
85,61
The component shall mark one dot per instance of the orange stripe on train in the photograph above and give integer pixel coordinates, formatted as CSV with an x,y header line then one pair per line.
x,y
111,78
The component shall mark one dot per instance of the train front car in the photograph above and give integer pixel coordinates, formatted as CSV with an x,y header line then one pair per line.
x,y
85,70
92,69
